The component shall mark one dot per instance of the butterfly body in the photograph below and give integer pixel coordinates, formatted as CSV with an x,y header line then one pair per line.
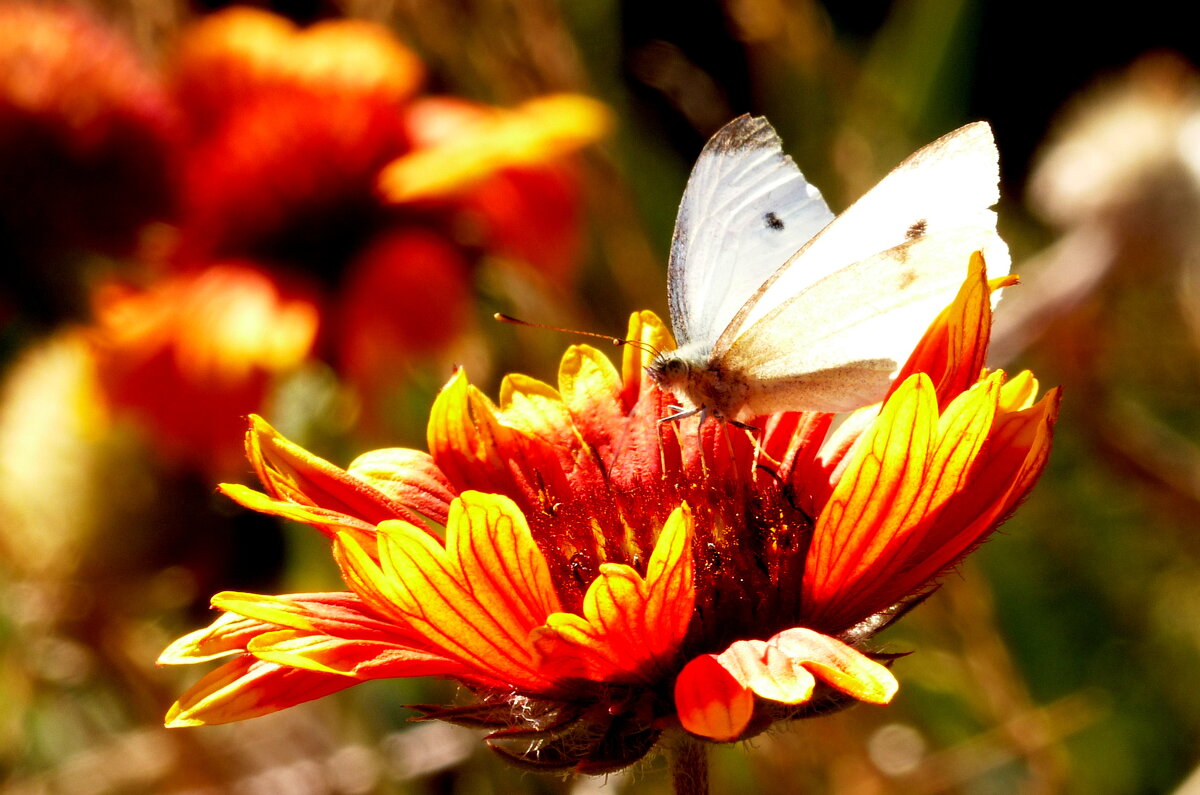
x,y
777,305
700,385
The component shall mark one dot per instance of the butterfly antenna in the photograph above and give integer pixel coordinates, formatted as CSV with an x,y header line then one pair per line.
x,y
503,318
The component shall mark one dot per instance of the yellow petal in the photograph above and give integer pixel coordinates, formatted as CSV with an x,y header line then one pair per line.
x,y
536,132
474,600
632,627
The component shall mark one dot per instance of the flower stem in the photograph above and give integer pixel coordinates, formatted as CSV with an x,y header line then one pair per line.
x,y
689,766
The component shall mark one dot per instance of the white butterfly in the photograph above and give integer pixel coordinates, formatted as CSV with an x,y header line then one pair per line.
x,y
828,329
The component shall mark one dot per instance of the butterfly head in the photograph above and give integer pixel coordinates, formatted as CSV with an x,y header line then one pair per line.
x,y
669,371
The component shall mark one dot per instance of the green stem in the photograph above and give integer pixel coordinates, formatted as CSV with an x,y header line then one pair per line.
x,y
689,766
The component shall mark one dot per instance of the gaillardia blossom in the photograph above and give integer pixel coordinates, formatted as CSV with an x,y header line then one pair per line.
x,y
189,354
596,577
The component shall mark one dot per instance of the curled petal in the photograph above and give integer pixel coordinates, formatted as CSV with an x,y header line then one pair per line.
x,y
837,665
229,634
712,701
714,692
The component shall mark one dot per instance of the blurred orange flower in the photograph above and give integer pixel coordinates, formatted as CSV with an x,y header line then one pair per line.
x,y
310,149
233,57
604,576
289,129
504,171
284,156
288,181
193,354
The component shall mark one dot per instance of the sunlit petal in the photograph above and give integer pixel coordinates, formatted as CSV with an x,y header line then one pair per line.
x,y
631,627
247,687
474,600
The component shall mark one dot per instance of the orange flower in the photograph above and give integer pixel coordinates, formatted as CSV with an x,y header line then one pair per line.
x,y
307,143
230,58
603,577
310,149
192,354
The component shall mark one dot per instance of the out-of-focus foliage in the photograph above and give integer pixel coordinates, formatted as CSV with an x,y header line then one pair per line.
x,y
193,226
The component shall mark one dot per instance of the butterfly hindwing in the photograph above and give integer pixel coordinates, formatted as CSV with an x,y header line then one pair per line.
x,y
837,344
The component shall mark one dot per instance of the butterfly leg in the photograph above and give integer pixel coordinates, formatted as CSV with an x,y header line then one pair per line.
x,y
682,414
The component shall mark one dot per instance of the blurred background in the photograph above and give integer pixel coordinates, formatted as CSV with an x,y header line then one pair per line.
x,y
210,211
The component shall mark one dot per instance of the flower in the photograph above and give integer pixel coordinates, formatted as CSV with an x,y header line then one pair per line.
x,y
191,354
499,169
603,577
313,150
288,131
229,59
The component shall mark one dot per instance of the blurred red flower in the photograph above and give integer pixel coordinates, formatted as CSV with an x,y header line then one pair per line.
x,y
266,146
86,135
232,58
408,291
309,149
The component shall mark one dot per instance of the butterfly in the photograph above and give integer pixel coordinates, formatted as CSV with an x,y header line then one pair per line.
x,y
777,305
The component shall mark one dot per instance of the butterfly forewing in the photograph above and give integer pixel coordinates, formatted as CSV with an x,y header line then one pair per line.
x,y
745,211
945,186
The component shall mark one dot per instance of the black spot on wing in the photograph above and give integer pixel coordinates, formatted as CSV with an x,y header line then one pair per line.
x,y
773,221
916,230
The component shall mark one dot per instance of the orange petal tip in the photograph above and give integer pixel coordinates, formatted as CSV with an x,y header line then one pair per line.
x,y
711,702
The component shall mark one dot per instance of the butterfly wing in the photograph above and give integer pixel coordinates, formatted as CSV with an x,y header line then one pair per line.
x,y
837,344
945,186
745,211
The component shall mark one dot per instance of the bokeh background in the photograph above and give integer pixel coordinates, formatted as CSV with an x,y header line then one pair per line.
x,y
201,216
